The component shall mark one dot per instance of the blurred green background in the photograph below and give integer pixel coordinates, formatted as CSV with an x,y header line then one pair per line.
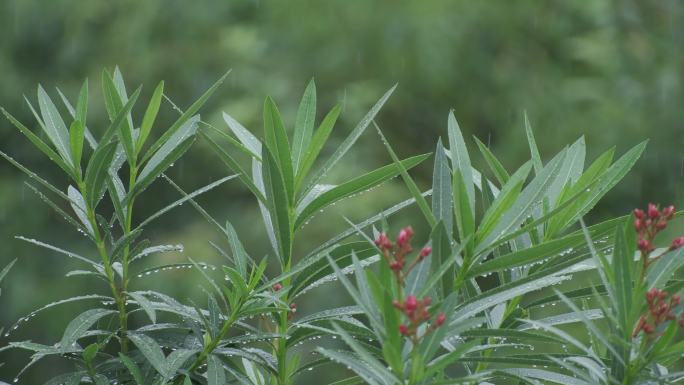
x,y
612,71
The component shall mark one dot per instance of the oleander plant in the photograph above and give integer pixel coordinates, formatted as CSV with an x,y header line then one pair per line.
x,y
509,285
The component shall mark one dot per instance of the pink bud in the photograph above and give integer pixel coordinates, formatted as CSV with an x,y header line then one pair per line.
x,y
383,242
425,252
668,212
404,236
639,213
427,301
677,243
293,307
411,303
403,329
396,265
638,225
661,224
277,287
440,319
653,212
644,245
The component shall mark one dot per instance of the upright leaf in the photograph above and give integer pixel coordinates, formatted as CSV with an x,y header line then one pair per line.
x,y
54,126
276,141
304,124
150,116
442,203
96,173
461,161
278,205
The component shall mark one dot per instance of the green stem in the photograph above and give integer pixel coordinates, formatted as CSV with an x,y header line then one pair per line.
x,y
109,272
216,340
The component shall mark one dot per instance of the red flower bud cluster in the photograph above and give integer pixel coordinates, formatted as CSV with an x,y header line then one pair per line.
x,y
417,313
395,254
277,287
660,310
648,224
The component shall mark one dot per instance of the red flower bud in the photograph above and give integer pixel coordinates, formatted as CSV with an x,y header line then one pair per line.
x,y
653,212
644,245
638,225
277,287
396,265
648,329
639,213
677,243
293,307
676,299
403,329
668,212
425,252
397,304
661,224
427,301
411,303
404,236
383,242
440,319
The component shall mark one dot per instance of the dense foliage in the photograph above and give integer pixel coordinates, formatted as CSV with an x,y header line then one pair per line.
x,y
462,309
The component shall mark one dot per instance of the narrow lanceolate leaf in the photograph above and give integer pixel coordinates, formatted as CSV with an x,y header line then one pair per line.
x,y
168,153
234,166
79,206
54,126
410,183
145,304
349,141
442,204
150,116
81,113
151,350
42,146
76,136
497,168
570,172
465,221
132,368
278,205
276,141
528,199
534,150
80,325
96,173
663,270
120,118
251,142
354,186
623,259
115,99
461,160
316,145
601,186
304,124
215,373
240,256
187,115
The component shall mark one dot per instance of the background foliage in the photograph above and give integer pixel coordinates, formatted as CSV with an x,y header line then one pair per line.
x,y
609,70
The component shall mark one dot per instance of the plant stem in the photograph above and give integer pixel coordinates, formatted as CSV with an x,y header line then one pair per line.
x,y
109,272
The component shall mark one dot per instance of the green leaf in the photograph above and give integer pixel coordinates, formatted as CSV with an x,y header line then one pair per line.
x,y
316,145
132,368
278,205
356,185
175,361
234,166
97,172
215,373
666,266
460,161
508,194
169,152
497,168
531,196
76,135
80,325
42,146
90,352
357,365
465,221
151,350
250,142
145,304
181,121
348,141
304,124
623,259
120,118
54,126
81,113
150,116
601,185
410,183
114,101
442,203
276,141
534,150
